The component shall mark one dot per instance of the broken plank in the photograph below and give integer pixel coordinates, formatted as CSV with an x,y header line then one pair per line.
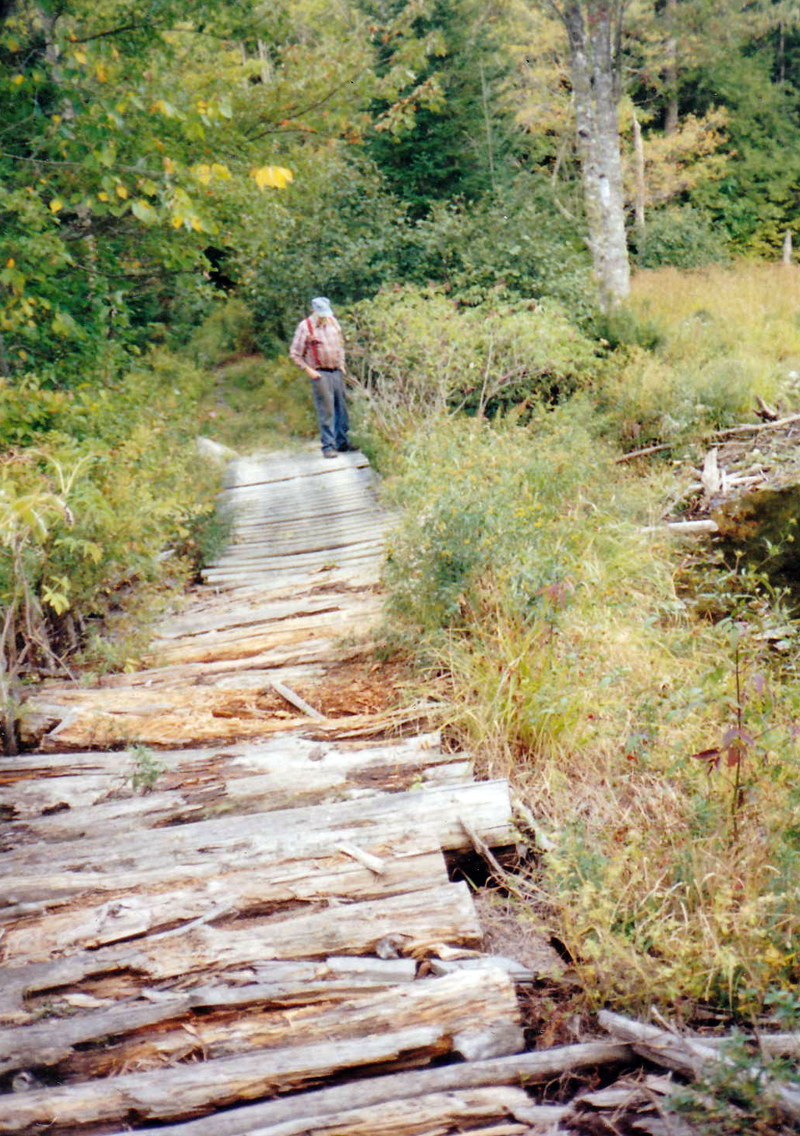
x,y
482,1011
198,1087
484,805
527,1068
276,984
410,925
433,1115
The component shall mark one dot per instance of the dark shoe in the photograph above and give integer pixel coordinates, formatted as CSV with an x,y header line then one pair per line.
x,y
330,453
345,448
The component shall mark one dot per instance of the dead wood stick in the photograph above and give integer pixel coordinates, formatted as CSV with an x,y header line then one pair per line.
x,y
643,453
527,1068
749,428
773,1044
295,700
689,1056
374,863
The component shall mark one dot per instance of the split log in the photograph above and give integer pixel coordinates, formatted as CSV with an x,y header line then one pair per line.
x,y
463,1014
689,1056
749,428
277,773
275,984
417,924
526,1069
198,1087
224,840
497,1108
478,1011
133,904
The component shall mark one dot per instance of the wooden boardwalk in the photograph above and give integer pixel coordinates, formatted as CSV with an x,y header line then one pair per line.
x,y
227,911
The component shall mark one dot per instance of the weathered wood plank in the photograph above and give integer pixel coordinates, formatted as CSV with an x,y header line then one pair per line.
x,y
433,1115
70,798
527,1068
447,1015
223,840
274,984
112,909
411,925
482,1011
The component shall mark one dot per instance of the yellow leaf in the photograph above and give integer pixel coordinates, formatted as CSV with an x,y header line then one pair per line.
x,y
10,262
101,73
55,205
56,118
18,79
102,195
278,177
219,170
169,165
177,221
79,56
203,174
197,224
121,191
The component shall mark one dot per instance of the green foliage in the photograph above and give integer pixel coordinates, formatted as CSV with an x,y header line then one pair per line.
x,y
112,495
732,1096
419,353
146,769
463,141
258,404
684,238
513,244
225,332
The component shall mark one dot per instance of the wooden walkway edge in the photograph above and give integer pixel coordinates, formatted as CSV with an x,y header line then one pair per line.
x,y
221,904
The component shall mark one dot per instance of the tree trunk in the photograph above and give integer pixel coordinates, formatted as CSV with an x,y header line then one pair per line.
x,y
593,30
639,197
671,69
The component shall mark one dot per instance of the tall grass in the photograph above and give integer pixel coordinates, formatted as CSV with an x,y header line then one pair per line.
x,y
565,656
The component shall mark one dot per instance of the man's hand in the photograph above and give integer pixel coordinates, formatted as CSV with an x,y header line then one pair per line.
x,y
312,374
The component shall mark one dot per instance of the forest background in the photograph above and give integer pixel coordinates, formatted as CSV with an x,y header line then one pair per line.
x,y
178,179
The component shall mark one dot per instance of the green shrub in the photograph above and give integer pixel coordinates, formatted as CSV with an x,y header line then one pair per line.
x,y
227,331
111,495
683,237
418,353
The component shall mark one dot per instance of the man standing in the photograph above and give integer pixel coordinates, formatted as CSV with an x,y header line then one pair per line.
x,y
317,348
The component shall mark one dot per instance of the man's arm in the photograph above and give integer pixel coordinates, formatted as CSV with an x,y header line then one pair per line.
x,y
298,349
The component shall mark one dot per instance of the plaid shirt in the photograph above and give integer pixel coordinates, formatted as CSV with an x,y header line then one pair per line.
x,y
324,348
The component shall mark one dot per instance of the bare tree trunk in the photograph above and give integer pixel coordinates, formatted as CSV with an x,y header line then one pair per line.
x,y
671,69
593,29
787,247
639,196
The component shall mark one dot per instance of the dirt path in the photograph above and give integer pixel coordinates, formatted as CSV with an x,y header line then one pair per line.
x,y
226,876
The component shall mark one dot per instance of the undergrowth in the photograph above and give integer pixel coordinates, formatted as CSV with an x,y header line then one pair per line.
x,y
657,747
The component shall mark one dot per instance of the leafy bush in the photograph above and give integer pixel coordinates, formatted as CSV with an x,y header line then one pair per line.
x,y
228,330
512,245
683,237
111,485
419,353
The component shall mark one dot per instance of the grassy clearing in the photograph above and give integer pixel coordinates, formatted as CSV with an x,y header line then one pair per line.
x,y
258,404
656,747
713,340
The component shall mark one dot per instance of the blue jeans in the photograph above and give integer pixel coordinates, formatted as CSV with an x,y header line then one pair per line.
x,y
328,392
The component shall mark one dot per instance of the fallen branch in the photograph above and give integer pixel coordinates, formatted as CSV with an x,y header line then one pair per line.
x,y
749,428
295,700
689,1056
644,452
